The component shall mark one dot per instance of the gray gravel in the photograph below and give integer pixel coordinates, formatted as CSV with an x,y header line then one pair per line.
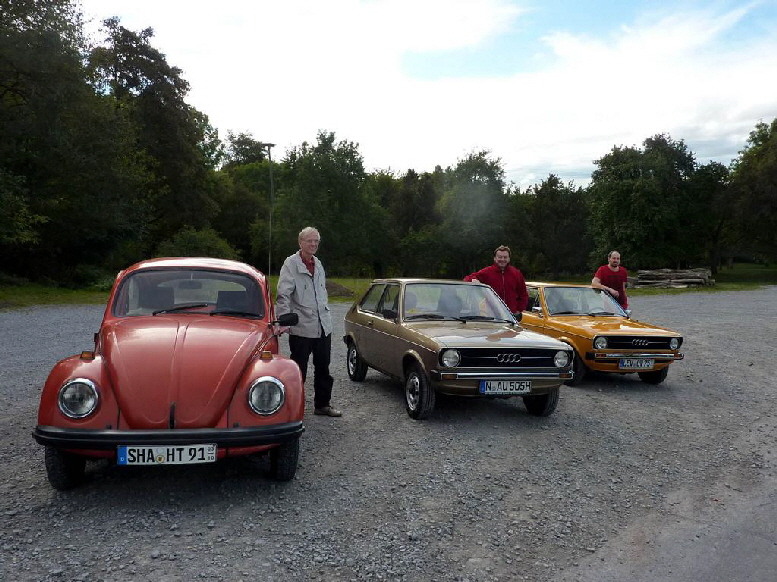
x,y
480,491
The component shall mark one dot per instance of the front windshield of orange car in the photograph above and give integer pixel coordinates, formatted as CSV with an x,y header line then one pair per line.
x,y
452,300
182,290
580,301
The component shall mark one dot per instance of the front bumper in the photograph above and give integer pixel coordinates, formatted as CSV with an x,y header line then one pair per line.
x,y
97,439
615,356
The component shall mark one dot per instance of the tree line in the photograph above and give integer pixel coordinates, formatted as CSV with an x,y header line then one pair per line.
x,y
103,163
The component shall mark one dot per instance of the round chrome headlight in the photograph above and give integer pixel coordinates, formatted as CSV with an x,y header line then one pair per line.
x,y
561,359
266,395
78,398
674,343
600,343
450,358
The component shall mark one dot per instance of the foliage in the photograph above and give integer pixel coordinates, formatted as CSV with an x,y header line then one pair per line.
x,y
196,243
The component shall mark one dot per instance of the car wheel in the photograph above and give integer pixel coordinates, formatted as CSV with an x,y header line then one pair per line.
x,y
283,460
543,404
654,377
64,470
419,395
357,368
580,370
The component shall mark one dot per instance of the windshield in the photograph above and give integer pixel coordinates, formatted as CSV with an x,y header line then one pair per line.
x,y
155,291
580,301
453,300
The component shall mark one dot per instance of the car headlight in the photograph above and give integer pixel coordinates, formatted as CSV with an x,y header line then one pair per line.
x,y
450,358
78,398
600,343
266,395
561,359
674,343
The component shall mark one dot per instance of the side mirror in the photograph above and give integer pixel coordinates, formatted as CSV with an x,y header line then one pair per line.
x,y
389,314
628,312
536,309
518,316
288,319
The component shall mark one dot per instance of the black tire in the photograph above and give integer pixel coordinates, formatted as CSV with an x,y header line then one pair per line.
x,y
419,395
64,470
580,370
654,377
284,459
357,368
542,405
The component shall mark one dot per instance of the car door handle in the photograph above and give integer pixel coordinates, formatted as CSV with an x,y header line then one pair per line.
x,y
370,323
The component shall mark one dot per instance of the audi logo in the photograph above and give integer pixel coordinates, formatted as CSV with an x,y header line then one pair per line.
x,y
639,342
508,358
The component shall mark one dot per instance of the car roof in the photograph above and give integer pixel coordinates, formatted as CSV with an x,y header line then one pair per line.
x,y
195,263
407,280
543,284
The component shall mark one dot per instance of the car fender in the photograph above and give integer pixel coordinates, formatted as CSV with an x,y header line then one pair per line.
x,y
410,356
239,412
79,366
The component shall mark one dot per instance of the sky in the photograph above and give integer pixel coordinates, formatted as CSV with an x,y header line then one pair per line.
x,y
546,86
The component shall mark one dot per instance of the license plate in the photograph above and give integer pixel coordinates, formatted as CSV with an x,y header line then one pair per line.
x,y
166,454
505,386
636,364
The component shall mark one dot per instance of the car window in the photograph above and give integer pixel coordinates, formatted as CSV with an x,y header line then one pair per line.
x,y
580,301
390,299
147,291
370,301
534,298
454,300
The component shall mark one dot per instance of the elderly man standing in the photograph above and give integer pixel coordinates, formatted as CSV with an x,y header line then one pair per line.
x,y
302,290
506,280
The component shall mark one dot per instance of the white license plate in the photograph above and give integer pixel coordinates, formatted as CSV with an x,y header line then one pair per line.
x,y
635,364
166,455
505,386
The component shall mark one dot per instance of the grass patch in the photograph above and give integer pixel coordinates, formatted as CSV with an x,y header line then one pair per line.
x,y
12,296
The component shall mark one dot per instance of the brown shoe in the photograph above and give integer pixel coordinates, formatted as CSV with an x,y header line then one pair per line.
x,y
327,411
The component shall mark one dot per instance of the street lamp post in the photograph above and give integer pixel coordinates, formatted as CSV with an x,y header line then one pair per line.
x,y
269,147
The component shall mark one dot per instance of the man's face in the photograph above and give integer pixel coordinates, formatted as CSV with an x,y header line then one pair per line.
x,y
502,258
614,260
309,244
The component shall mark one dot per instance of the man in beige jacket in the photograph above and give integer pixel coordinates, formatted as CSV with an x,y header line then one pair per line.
x,y
302,290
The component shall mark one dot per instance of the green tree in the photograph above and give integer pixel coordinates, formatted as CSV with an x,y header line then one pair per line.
x,y
196,243
754,183
243,149
637,198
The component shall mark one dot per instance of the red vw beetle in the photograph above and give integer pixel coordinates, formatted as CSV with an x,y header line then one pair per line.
x,y
185,369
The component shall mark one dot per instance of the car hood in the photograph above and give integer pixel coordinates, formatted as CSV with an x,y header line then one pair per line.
x,y
482,334
177,369
590,326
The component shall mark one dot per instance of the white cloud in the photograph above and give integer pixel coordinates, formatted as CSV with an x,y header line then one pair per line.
x,y
283,70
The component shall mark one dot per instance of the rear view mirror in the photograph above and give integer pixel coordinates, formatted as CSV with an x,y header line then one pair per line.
x,y
389,314
190,284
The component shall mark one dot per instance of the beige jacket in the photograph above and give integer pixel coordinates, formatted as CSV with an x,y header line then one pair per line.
x,y
304,294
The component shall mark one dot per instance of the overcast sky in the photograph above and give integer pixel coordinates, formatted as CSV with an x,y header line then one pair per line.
x,y
547,86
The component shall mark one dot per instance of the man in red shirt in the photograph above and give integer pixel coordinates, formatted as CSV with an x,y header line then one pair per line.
x,y
506,280
612,278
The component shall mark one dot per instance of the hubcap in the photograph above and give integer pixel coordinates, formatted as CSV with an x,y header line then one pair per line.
x,y
412,389
352,359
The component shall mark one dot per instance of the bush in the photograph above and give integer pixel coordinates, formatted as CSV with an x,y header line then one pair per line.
x,y
189,242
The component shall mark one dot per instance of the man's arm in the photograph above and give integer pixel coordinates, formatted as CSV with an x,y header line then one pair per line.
x,y
286,286
474,277
596,283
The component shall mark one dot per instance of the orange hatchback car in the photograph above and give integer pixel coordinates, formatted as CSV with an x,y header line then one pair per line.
x,y
605,338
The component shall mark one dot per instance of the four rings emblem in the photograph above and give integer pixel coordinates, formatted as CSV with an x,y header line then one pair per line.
x,y
508,358
639,342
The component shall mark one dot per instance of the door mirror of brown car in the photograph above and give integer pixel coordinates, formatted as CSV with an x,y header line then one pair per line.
x,y
517,315
389,314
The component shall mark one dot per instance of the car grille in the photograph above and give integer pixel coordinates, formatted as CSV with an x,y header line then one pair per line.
x,y
506,358
638,342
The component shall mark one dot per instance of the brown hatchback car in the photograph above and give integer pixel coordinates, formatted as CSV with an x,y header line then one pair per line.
x,y
454,338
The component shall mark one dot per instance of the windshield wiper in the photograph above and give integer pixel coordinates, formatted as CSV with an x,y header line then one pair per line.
x,y
595,313
565,313
180,308
476,317
236,313
424,316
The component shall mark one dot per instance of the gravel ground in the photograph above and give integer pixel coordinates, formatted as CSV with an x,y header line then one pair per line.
x,y
480,491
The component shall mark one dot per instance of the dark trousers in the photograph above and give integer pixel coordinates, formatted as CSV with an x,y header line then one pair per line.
x,y
321,348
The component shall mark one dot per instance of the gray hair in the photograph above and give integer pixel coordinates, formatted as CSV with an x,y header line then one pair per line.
x,y
611,252
305,232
